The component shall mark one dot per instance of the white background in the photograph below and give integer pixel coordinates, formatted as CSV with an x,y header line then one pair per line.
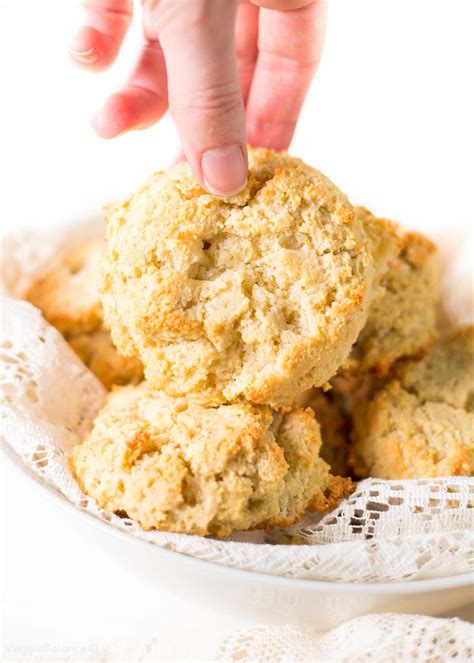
x,y
389,119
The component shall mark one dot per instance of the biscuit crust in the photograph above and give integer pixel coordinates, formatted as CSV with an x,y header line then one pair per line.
x,y
421,422
259,295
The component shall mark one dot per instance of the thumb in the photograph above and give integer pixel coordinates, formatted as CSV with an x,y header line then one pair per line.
x,y
203,87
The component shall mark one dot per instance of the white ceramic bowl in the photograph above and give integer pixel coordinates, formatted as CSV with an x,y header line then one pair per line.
x,y
257,596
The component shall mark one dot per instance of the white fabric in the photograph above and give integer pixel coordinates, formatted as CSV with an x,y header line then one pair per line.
x,y
382,638
387,638
386,531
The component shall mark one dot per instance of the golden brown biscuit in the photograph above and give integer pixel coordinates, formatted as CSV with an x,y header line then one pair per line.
x,y
68,296
258,295
421,422
401,321
183,466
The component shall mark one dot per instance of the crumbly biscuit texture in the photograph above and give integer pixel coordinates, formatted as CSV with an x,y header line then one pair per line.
x,y
68,296
259,295
333,420
421,422
402,320
446,374
177,464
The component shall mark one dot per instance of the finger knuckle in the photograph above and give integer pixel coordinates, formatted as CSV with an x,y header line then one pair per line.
x,y
216,100
110,8
169,14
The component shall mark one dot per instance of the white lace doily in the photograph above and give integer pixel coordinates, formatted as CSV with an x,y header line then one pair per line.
x,y
386,531
385,637
381,638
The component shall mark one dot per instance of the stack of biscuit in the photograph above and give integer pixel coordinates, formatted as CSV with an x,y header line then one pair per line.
x,y
260,320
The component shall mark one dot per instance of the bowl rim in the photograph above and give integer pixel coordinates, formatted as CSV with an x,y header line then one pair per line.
x,y
398,587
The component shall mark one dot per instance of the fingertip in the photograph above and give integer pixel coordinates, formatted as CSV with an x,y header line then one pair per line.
x,y
272,134
112,119
84,56
130,109
93,49
103,128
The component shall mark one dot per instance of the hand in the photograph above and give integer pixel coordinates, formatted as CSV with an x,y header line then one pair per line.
x,y
195,54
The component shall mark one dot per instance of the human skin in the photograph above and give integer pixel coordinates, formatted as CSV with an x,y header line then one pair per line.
x,y
230,72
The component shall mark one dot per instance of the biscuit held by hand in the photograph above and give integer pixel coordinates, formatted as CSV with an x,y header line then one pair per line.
x,y
259,295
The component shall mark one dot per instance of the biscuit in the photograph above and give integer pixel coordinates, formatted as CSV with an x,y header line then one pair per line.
x,y
334,426
68,296
177,464
259,295
421,422
401,321
99,354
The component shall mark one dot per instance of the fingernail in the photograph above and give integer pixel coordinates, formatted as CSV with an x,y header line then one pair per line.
x,y
224,170
84,57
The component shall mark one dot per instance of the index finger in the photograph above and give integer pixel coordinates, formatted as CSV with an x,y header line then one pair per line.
x,y
290,45
204,91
